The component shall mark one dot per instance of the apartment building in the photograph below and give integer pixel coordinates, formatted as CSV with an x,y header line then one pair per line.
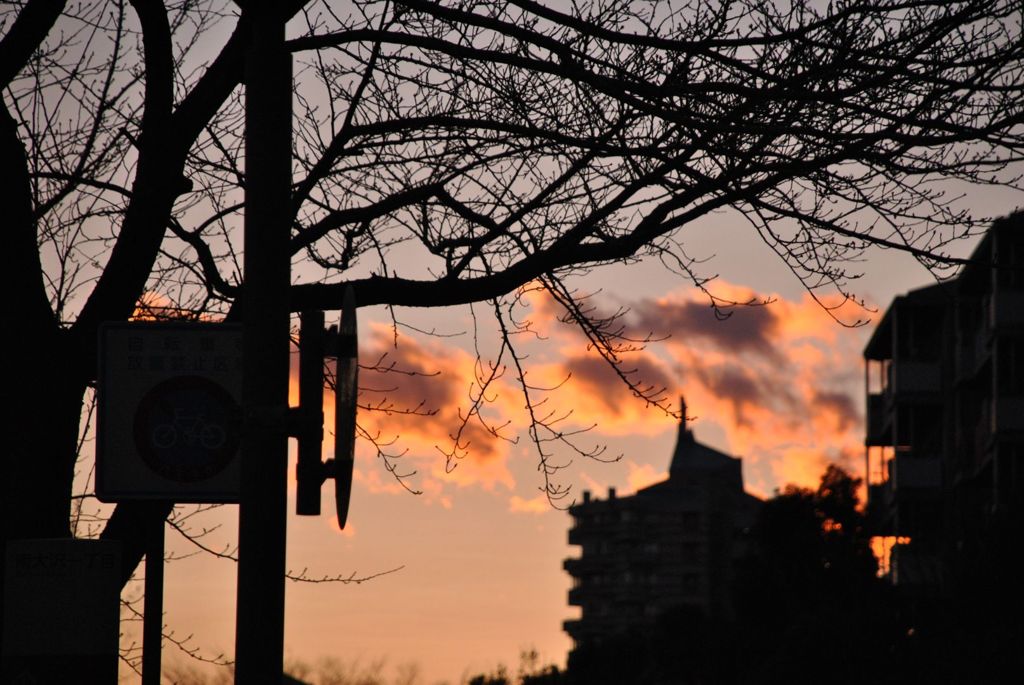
x,y
669,545
945,412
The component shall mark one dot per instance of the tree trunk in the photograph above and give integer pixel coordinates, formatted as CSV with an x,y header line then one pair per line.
x,y
42,427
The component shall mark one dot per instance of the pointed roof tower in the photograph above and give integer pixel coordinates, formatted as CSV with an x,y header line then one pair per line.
x,y
690,455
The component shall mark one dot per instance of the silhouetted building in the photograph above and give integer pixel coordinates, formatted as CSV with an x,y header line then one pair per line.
x,y
671,544
945,412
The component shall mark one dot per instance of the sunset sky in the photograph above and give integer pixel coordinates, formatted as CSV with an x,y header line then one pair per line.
x,y
457,567
475,560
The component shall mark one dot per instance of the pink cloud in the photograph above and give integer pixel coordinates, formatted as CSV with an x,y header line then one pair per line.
x,y
413,398
780,383
781,380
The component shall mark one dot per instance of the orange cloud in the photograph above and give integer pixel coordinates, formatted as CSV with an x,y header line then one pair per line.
x,y
155,306
590,393
782,381
534,505
414,398
778,385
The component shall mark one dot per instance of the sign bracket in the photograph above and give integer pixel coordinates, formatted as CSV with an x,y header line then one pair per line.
x,y
306,420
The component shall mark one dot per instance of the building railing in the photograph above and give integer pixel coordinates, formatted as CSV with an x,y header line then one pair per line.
x,y
907,470
900,378
916,377
912,568
906,474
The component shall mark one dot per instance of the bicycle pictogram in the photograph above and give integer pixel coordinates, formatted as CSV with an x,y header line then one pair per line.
x,y
188,428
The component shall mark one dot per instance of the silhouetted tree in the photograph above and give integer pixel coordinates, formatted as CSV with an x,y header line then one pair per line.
x,y
549,675
810,609
972,629
811,542
530,672
487,146
683,646
809,596
497,678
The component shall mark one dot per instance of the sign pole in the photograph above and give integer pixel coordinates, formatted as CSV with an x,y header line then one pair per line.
x,y
153,616
259,638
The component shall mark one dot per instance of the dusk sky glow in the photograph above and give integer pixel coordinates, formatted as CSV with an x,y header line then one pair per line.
x,y
476,558
417,171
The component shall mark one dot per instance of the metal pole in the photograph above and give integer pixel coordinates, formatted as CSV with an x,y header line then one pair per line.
x,y
259,640
153,618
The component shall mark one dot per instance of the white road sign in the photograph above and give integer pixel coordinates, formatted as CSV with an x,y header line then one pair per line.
x,y
169,412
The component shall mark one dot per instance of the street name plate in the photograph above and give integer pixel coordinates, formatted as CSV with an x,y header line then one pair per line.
x,y
60,611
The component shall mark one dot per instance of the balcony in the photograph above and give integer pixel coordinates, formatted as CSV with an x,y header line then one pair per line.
x,y
607,526
911,568
916,473
974,351
916,377
877,420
